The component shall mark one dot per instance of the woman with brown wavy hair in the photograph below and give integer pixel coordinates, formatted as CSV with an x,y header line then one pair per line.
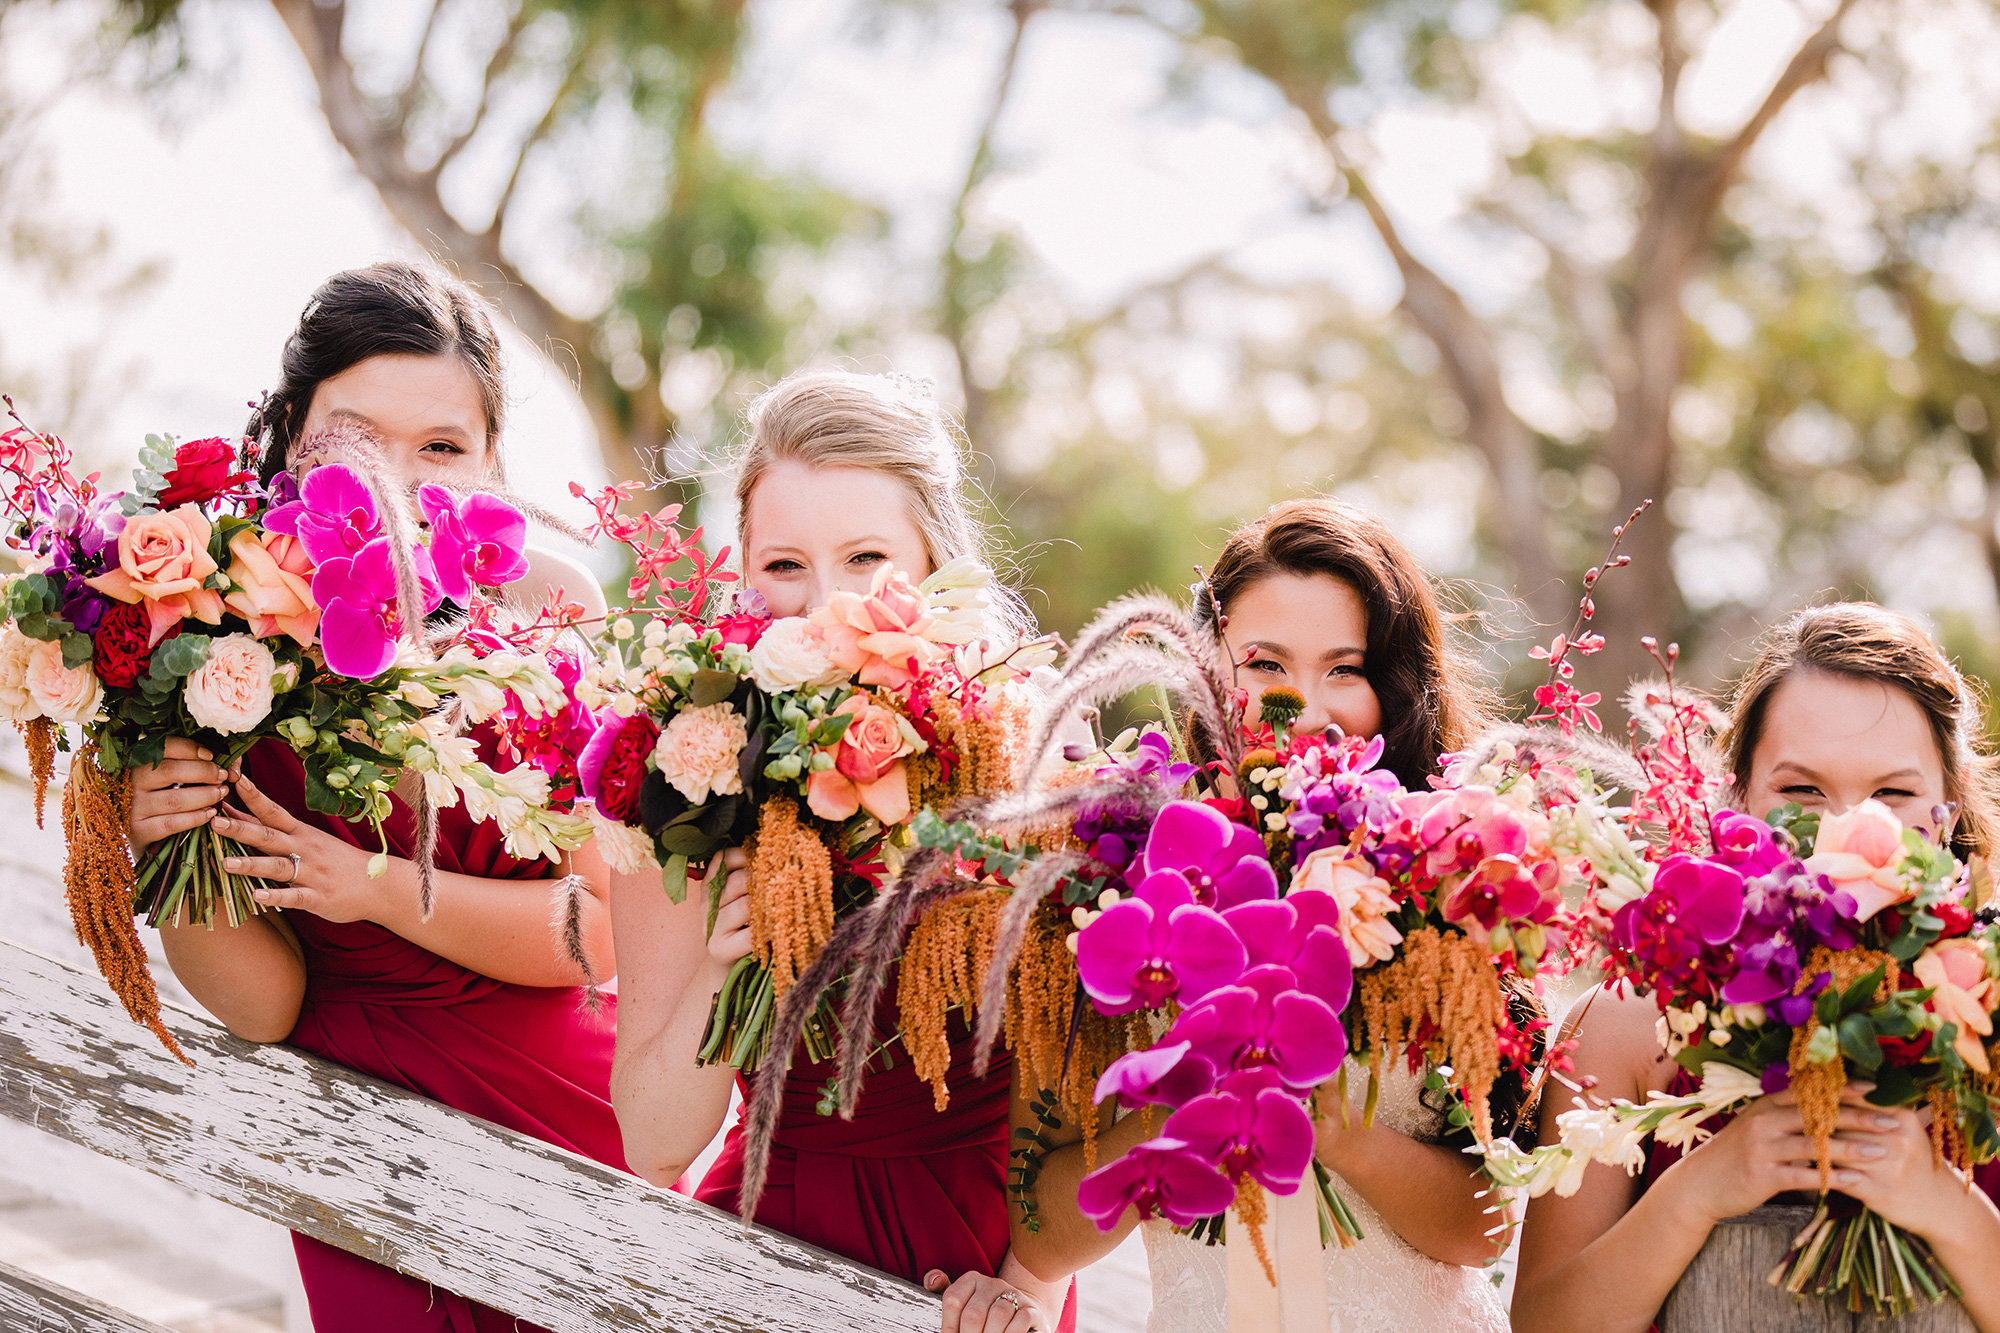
x,y
1842,704
1318,596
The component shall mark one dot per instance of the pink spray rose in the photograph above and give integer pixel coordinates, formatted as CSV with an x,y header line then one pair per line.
x,y
1365,902
1965,995
1860,850
163,562
868,771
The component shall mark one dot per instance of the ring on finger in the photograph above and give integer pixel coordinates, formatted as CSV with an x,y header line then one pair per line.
x,y
1012,1298
295,867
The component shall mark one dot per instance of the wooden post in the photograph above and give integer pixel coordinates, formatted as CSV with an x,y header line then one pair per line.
x,y
37,1305
1725,1288
498,1217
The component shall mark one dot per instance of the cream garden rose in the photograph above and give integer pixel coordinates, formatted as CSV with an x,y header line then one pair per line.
x,y
16,704
792,655
231,692
1365,902
699,752
61,693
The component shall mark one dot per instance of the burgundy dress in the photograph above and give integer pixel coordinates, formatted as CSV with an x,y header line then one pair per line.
x,y
901,1187
527,1057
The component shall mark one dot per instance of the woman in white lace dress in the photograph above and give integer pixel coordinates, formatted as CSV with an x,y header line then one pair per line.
x,y
1319,596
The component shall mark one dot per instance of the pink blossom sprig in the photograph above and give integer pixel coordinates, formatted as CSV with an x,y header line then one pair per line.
x,y
657,545
1558,700
35,465
1677,788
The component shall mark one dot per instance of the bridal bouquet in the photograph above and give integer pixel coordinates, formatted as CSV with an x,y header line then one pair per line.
x,y
1802,952
809,739
203,605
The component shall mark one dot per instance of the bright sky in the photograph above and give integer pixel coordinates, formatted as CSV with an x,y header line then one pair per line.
x,y
250,204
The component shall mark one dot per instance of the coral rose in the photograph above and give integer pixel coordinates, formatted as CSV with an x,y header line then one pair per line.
x,y
273,578
868,771
883,636
1365,902
1861,851
16,704
1965,995
62,693
231,692
163,563
700,752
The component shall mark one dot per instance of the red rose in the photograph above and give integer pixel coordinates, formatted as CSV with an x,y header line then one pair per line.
x,y
1905,1050
1957,920
625,768
743,629
201,472
122,653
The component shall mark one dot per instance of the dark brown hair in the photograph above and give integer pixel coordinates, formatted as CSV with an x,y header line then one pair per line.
x,y
1432,702
1863,641
392,308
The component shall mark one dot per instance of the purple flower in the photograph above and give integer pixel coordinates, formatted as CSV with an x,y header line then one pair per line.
x,y
357,598
1113,830
1748,844
1777,1077
1249,1126
1152,757
1225,863
1334,791
1793,1010
1300,932
481,540
1161,1175
1265,1019
1165,1075
1765,970
1154,946
334,515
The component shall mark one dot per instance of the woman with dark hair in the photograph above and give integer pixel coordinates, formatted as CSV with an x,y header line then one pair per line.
x,y
479,1005
1319,596
1842,704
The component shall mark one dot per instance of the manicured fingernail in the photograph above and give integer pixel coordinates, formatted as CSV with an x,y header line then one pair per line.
x,y
262,895
232,863
1870,1149
1885,1122
1847,1177
221,821
202,754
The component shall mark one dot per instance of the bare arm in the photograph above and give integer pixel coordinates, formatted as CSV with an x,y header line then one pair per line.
x,y
1064,1239
1431,1195
1604,1259
251,978
669,1108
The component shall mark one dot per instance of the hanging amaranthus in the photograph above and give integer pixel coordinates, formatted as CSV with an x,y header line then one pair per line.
x,y
791,892
1440,991
40,736
943,966
1817,1083
98,882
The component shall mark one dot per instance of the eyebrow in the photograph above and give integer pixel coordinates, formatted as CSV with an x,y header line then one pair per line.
x,y
1332,654
435,432
1900,775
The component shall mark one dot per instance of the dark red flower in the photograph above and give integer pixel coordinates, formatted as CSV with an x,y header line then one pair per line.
x,y
201,472
1957,920
121,652
613,764
1905,1050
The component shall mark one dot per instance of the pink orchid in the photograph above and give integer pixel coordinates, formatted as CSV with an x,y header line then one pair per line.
x,y
1464,827
334,515
1249,1126
1265,1019
1300,932
357,597
1161,1175
481,540
880,635
1155,946
1861,851
1164,1075
1224,862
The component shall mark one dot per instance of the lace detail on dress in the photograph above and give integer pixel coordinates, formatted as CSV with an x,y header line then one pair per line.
x,y
1380,1285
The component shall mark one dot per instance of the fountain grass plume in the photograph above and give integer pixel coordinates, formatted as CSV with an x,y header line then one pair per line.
x,y
1033,884
1608,763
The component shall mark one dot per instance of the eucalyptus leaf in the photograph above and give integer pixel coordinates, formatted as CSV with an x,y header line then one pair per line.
x,y
710,686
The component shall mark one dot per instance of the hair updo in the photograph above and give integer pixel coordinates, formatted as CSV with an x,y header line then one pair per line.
x,y
885,423
1863,641
393,308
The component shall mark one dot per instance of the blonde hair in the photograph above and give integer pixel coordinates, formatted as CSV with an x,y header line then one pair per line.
x,y
885,423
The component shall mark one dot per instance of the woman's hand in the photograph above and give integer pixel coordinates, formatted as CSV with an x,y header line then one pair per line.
x,y
977,1303
1889,1166
1762,1152
178,793
311,870
730,940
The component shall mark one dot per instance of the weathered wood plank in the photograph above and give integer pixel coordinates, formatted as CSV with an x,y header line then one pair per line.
x,y
505,1219
29,1304
1725,1287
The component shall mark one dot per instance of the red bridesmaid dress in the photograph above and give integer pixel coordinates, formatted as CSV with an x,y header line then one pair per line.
x,y
902,1186
527,1057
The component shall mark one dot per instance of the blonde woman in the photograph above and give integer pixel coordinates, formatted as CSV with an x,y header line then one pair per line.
x,y
842,475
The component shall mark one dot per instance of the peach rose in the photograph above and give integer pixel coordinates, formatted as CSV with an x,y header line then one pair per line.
x,y
882,636
16,704
163,562
700,752
1365,902
1861,851
273,578
1965,995
868,771
231,692
62,693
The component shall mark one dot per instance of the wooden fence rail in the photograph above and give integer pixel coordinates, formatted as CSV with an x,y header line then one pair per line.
x,y
502,1218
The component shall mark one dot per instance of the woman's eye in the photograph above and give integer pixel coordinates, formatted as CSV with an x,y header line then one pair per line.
x,y
1895,794
1799,791
866,558
783,567
1267,666
1348,671
442,447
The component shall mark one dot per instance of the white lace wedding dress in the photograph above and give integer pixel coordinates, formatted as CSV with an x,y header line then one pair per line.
x,y
1380,1285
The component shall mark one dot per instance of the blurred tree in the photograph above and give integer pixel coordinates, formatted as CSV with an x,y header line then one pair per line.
x,y
647,260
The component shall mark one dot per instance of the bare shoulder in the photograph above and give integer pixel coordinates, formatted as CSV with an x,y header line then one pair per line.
x,y
552,569
1617,1042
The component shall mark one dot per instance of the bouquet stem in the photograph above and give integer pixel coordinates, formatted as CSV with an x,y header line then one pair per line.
x,y
1850,1254
184,880
739,1020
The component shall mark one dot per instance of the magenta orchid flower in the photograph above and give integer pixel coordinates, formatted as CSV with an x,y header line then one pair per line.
x,y
1265,1019
1155,946
1500,889
334,515
1300,932
479,540
1249,1126
1224,862
358,624
1464,827
1165,1075
1161,1175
